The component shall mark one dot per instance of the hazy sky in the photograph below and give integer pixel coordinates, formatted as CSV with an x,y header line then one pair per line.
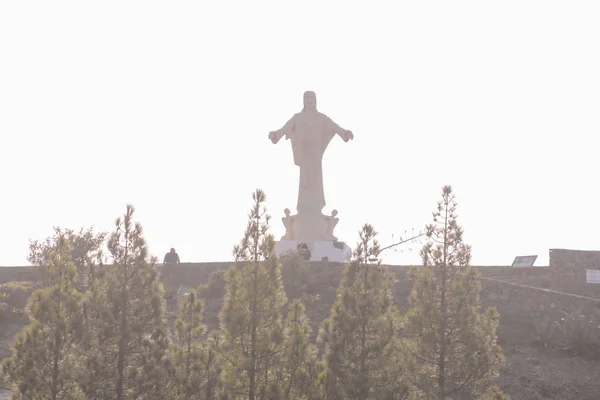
x,y
168,105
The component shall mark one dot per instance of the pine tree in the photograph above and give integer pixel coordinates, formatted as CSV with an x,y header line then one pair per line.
x,y
251,336
211,366
362,357
196,366
86,249
43,365
153,379
188,328
126,340
298,369
452,344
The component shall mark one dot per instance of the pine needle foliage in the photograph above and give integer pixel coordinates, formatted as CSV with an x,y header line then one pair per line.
x,y
452,344
85,250
126,340
251,337
44,362
298,362
195,364
362,357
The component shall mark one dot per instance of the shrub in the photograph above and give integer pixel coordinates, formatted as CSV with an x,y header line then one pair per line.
x,y
296,273
579,334
547,332
13,301
215,288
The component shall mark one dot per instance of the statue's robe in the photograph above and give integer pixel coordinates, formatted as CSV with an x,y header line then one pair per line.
x,y
310,132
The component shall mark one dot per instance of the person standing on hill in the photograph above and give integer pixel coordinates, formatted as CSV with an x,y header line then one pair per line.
x,y
171,257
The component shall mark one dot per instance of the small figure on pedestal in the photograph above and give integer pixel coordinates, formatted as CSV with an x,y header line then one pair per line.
x,y
331,223
288,222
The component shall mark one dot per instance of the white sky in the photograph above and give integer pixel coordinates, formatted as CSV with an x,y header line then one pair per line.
x,y
167,105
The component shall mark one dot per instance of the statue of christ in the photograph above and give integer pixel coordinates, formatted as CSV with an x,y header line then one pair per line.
x,y
310,132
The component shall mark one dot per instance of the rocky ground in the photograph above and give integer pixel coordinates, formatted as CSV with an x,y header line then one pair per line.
x,y
534,374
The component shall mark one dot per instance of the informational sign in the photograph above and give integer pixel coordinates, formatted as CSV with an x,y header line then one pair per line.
x,y
524,261
592,275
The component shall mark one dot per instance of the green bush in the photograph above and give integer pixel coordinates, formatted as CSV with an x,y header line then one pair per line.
x,y
296,273
579,334
13,301
3,382
547,332
215,288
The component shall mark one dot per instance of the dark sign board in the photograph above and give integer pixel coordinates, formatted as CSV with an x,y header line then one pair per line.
x,y
524,261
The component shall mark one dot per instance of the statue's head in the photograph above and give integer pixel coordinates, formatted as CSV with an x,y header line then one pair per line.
x,y
310,100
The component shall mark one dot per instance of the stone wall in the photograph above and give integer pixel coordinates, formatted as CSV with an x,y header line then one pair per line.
x,y
519,294
519,305
568,271
18,274
190,274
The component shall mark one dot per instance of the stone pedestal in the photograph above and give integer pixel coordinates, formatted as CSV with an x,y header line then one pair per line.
x,y
319,250
309,226
313,231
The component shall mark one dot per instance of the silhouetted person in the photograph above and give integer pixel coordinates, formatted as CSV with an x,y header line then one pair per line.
x,y
171,257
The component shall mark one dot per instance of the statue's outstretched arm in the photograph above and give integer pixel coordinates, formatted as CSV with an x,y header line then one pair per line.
x,y
343,133
285,130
